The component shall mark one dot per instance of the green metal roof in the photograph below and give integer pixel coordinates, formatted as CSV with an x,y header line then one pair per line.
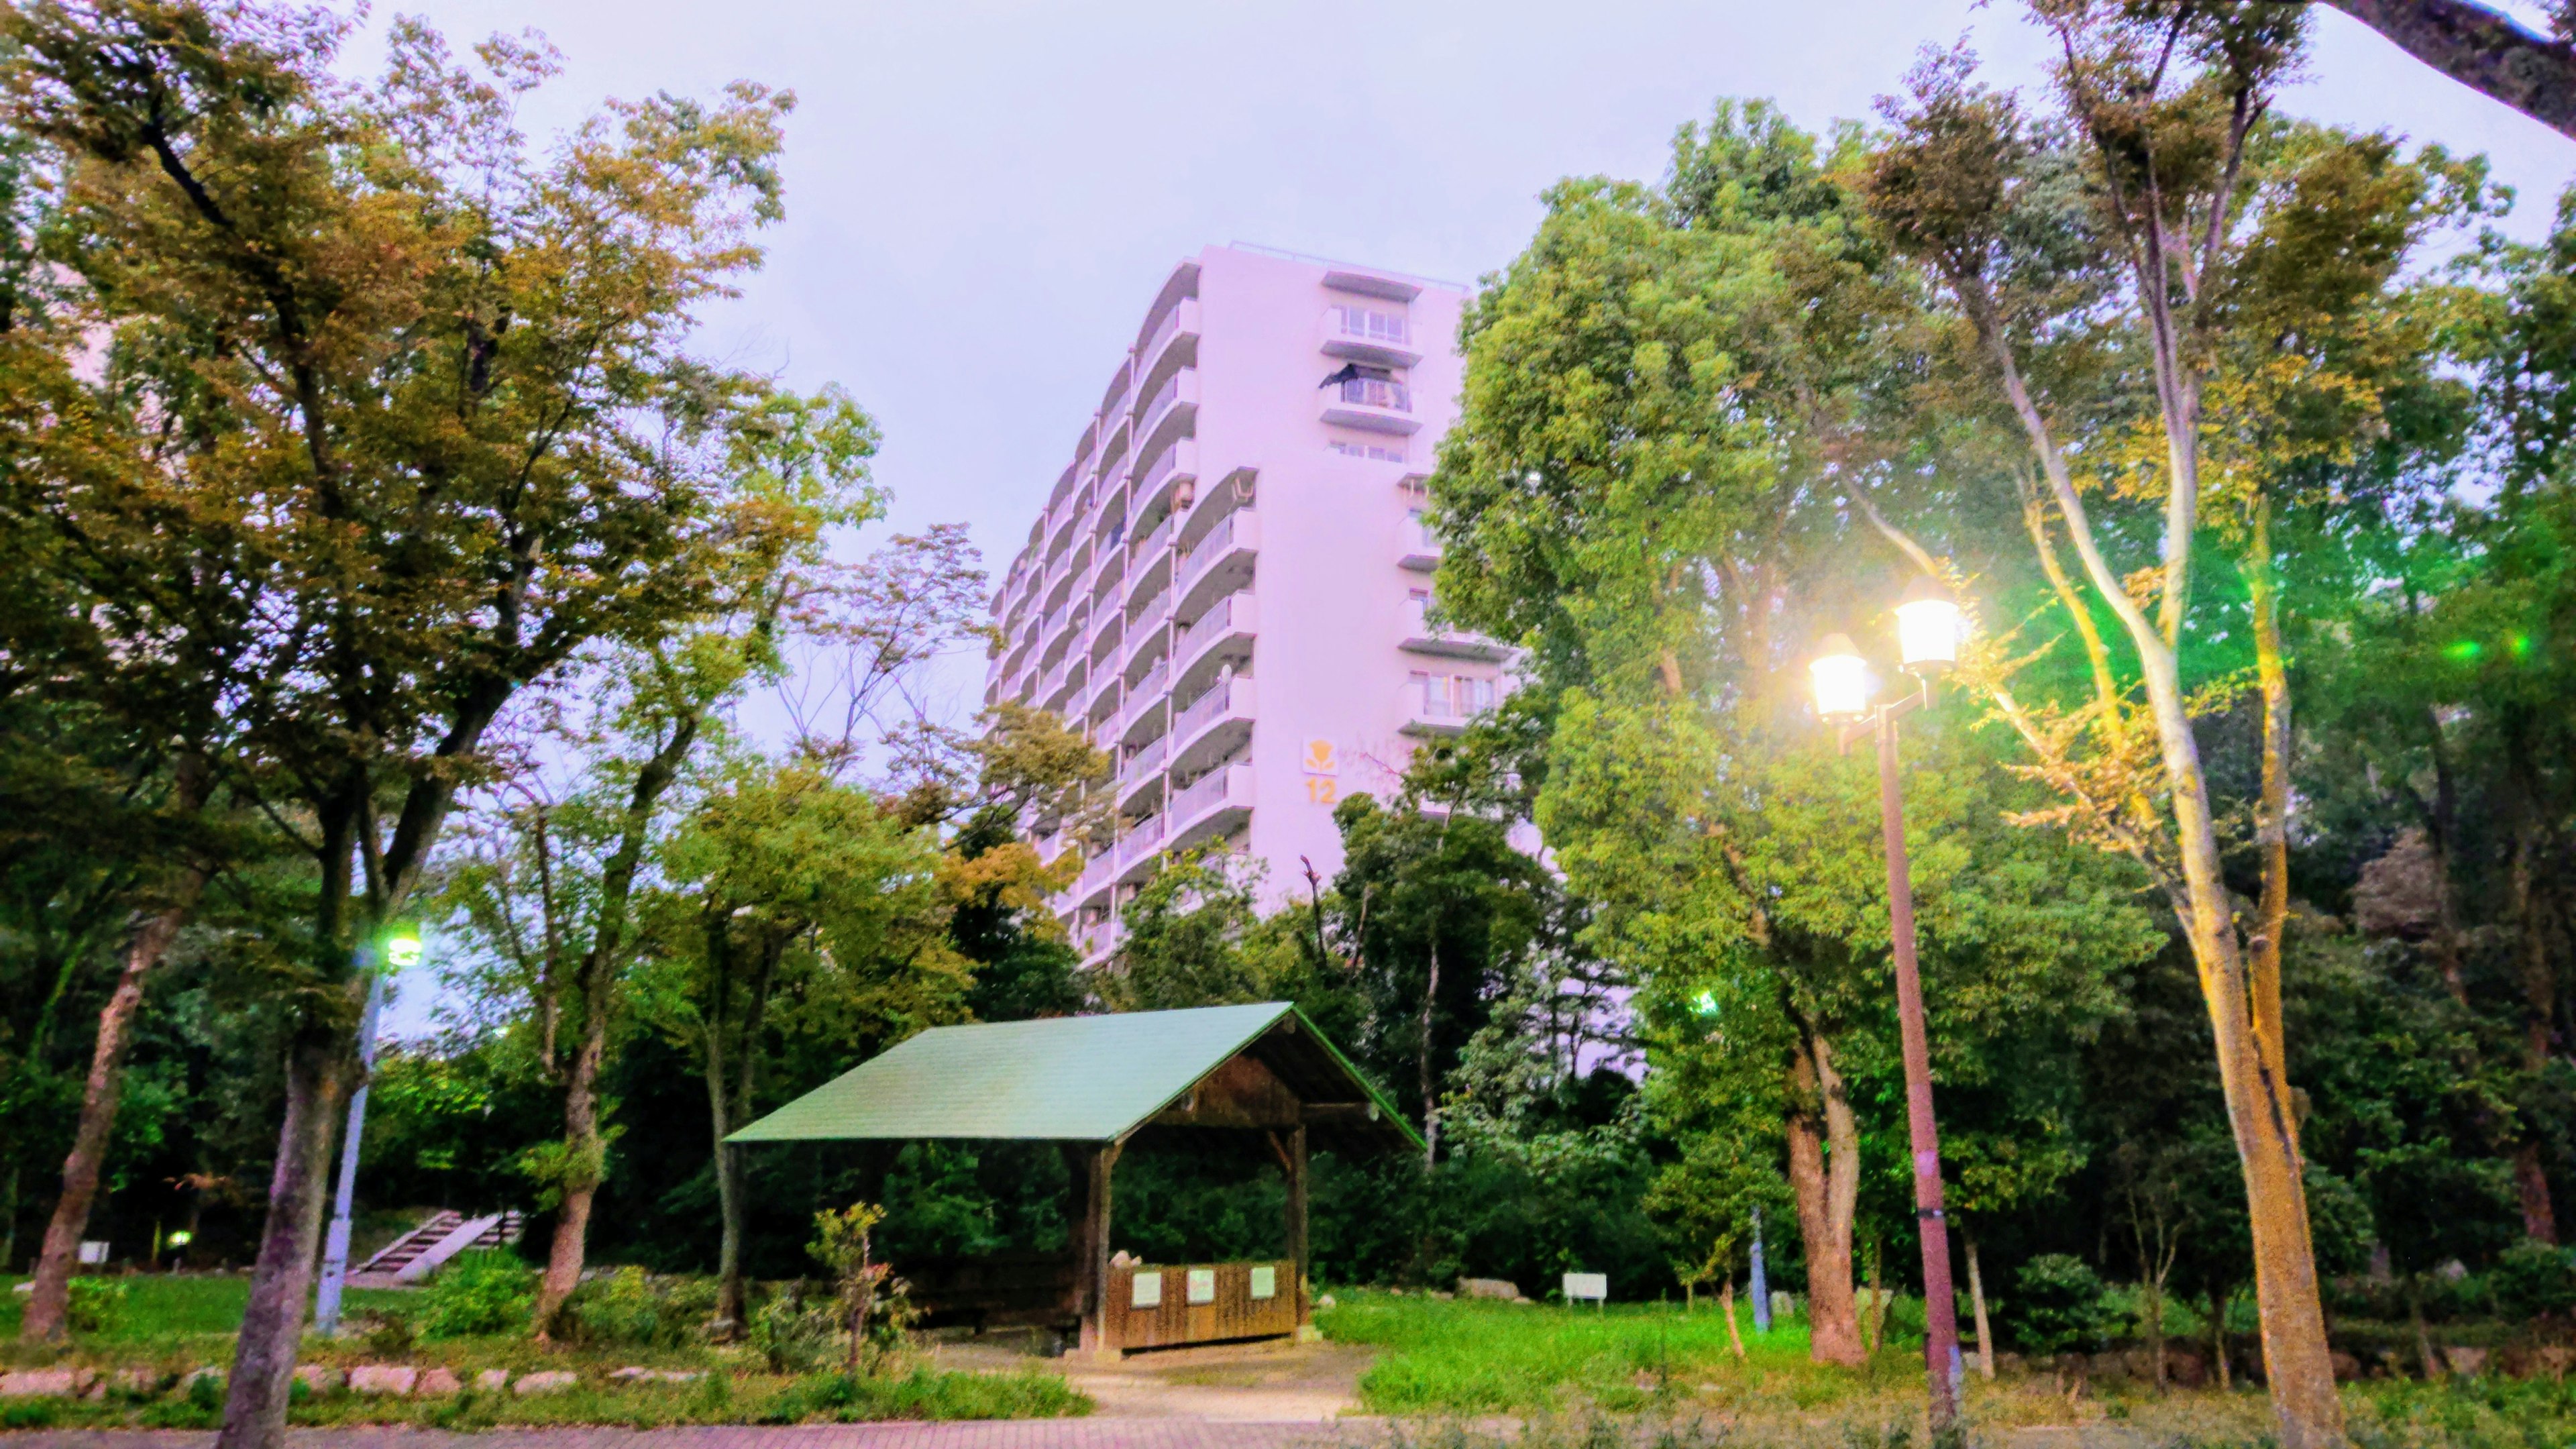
x,y
1074,1078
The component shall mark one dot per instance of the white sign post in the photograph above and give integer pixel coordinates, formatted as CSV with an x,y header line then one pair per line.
x,y
1595,1286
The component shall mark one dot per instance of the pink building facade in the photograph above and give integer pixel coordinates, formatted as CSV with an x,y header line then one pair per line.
x,y
1227,585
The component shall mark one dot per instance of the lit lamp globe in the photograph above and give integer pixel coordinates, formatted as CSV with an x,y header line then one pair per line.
x,y
1842,679
1927,627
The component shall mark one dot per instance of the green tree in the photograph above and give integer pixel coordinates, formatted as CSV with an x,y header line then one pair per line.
x,y
430,417
2191,317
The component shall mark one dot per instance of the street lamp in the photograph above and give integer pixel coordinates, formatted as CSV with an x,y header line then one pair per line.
x,y
1927,638
398,950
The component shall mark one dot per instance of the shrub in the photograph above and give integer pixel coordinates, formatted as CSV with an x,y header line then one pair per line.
x,y
2058,1306
480,1292
2532,1279
95,1305
632,1308
388,1334
795,1333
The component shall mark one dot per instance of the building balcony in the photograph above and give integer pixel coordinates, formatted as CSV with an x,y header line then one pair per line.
x,y
1063,627
1140,779
1108,573
1213,807
1373,404
1059,694
1106,637
1138,848
1148,561
1145,701
1170,469
1051,689
1106,693
1171,412
1147,639
1097,942
1425,723
1221,634
1211,727
1090,890
1421,636
1367,335
1113,454
1179,327
1220,563
1421,546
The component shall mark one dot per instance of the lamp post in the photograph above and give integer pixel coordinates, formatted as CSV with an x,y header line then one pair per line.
x,y
1927,635
401,950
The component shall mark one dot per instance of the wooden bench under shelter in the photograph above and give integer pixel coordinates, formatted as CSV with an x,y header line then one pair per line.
x,y
1089,1084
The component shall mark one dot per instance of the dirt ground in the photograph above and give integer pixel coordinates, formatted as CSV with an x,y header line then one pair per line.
x,y
1254,1383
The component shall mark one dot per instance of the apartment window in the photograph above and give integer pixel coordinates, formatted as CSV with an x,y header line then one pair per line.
x,y
1452,696
1418,532
1372,325
1374,452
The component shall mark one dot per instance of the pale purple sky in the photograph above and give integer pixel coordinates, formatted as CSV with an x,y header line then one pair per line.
x,y
983,197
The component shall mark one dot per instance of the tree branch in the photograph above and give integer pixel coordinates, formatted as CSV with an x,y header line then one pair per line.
x,y
2483,49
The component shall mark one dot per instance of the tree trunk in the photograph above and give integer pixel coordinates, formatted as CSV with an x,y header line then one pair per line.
x,y
50,1299
2423,1341
1430,1084
1825,1192
2482,48
585,1147
317,1076
2259,1106
2539,983
1726,1302
2218,1301
1977,1303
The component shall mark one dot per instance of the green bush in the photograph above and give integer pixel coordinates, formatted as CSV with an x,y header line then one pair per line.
x,y
481,1292
2058,1306
2533,1279
794,1333
95,1305
635,1309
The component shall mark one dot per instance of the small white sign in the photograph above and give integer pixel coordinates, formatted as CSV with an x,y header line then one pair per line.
x,y
1146,1292
1265,1283
1202,1285
93,1252
1594,1286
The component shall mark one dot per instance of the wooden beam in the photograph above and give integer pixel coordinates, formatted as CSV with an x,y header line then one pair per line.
x,y
1094,1248
1290,1147
1339,1113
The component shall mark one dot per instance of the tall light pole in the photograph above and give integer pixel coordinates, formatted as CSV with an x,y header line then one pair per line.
x,y
1927,632
401,950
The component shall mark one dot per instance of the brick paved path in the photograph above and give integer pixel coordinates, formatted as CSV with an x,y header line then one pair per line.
x,y
1092,1433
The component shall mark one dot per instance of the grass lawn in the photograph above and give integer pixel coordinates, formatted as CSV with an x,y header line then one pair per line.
x,y
1559,1366
169,1325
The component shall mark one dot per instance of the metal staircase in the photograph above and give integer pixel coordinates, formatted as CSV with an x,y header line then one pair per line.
x,y
442,1235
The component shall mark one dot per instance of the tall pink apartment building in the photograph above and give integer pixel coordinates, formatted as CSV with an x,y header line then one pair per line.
x,y
1227,585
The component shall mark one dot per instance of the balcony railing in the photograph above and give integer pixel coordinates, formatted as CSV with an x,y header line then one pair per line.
x,y
1164,463
1424,637
1377,392
1171,324
1239,526
1155,543
1229,696
1147,695
1144,762
1142,839
1228,615
1233,782
1170,389
1148,617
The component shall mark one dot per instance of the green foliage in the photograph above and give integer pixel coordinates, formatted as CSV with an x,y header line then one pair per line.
x,y
794,1333
2058,1305
97,1305
633,1308
485,1291
2530,1280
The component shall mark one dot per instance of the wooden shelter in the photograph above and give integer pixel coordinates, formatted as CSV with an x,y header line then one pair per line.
x,y
1089,1084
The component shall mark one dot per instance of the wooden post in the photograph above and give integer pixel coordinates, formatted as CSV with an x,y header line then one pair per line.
x,y
1297,1219
1093,1271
